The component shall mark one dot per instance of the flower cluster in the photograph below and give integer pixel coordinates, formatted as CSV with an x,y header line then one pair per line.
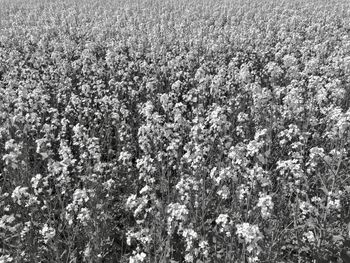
x,y
251,236
266,205
173,131
47,233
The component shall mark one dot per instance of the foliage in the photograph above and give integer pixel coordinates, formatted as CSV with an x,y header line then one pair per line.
x,y
174,131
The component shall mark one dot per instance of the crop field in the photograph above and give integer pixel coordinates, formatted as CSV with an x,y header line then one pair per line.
x,y
201,131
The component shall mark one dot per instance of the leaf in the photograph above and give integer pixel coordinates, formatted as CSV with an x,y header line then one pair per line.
x,y
324,189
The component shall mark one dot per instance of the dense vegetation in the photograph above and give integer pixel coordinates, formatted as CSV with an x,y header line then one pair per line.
x,y
174,131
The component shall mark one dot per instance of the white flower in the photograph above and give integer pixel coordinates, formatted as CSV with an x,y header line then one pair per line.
x,y
315,152
80,196
6,219
241,117
84,216
17,194
6,259
250,233
47,233
139,257
189,258
224,192
145,189
334,204
222,219
224,222
131,201
310,236
306,208
189,235
253,259
266,205
177,211
35,180
204,245
124,157
316,199
87,251
26,228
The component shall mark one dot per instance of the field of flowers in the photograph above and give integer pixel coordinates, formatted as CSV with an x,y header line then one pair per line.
x,y
174,131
